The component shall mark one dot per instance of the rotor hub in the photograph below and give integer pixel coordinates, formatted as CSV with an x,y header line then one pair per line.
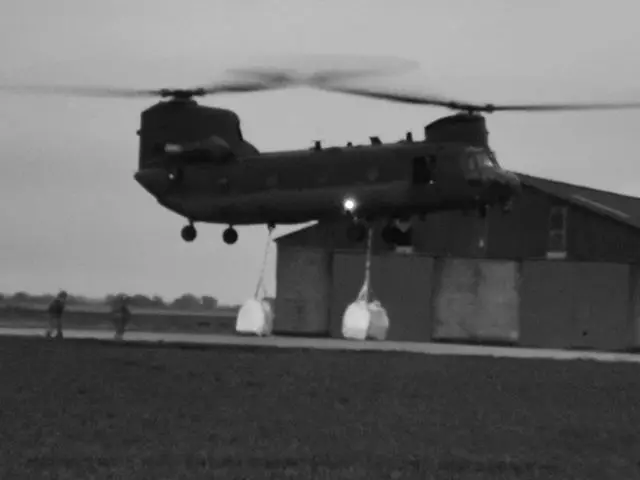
x,y
182,94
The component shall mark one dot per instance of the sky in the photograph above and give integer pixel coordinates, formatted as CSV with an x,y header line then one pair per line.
x,y
74,218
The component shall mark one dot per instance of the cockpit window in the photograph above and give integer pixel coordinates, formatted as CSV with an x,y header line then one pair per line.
x,y
485,160
477,160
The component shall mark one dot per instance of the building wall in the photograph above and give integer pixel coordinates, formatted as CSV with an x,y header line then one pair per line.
x,y
634,305
303,291
523,232
595,237
575,305
535,303
476,300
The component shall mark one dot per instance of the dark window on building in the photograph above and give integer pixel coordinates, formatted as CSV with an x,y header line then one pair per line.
x,y
557,238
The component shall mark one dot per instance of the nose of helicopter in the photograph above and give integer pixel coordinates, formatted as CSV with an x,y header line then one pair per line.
x,y
156,181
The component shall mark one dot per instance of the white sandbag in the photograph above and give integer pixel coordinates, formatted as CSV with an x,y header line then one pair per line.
x,y
362,321
378,321
269,311
355,321
255,317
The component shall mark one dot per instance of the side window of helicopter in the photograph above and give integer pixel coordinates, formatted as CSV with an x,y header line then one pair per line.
x,y
470,162
421,172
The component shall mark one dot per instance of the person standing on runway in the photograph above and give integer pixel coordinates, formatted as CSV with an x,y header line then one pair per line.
x,y
55,311
121,316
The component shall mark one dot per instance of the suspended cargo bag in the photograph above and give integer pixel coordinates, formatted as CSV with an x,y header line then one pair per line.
x,y
378,321
255,316
355,321
364,319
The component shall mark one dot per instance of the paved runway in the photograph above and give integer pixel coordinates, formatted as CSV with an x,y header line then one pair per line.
x,y
333,344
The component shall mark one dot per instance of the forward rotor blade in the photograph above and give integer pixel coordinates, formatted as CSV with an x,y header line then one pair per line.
x,y
240,86
123,92
84,91
415,99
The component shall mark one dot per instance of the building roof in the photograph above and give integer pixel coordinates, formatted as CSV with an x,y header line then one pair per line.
x,y
621,208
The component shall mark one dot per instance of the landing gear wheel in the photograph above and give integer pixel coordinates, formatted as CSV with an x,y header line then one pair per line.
x,y
189,233
230,236
356,232
390,234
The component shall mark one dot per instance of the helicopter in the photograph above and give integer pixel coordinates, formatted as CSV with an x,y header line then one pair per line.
x,y
195,162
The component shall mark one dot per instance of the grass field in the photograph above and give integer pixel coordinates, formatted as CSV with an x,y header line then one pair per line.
x,y
91,410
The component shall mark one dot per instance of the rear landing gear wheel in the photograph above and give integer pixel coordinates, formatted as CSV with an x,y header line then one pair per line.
x,y
189,233
230,236
356,232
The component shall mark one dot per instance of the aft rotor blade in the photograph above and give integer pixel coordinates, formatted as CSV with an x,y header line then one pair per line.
x,y
319,76
559,107
417,99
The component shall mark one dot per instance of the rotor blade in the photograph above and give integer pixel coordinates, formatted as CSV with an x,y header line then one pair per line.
x,y
319,76
101,91
79,91
559,107
414,99
240,86
395,96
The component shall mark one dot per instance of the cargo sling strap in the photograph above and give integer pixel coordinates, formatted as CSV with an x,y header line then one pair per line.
x,y
261,290
366,293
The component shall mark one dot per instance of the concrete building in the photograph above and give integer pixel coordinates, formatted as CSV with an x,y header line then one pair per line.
x,y
560,271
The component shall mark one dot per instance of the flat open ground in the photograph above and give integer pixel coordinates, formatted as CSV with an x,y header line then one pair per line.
x,y
87,409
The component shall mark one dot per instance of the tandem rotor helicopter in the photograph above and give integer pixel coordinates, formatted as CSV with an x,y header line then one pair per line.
x,y
194,160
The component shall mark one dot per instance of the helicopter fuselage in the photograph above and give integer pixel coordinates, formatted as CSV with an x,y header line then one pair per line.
x,y
194,160
288,187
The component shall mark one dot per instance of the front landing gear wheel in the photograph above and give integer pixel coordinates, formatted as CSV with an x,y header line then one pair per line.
x,y
230,236
189,233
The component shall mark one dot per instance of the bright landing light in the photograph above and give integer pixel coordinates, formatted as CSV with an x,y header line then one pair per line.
x,y
349,204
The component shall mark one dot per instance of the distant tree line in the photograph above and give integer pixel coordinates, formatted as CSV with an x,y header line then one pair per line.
x,y
186,301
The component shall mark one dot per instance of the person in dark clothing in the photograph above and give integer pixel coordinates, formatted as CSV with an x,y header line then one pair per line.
x,y
121,315
56,310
